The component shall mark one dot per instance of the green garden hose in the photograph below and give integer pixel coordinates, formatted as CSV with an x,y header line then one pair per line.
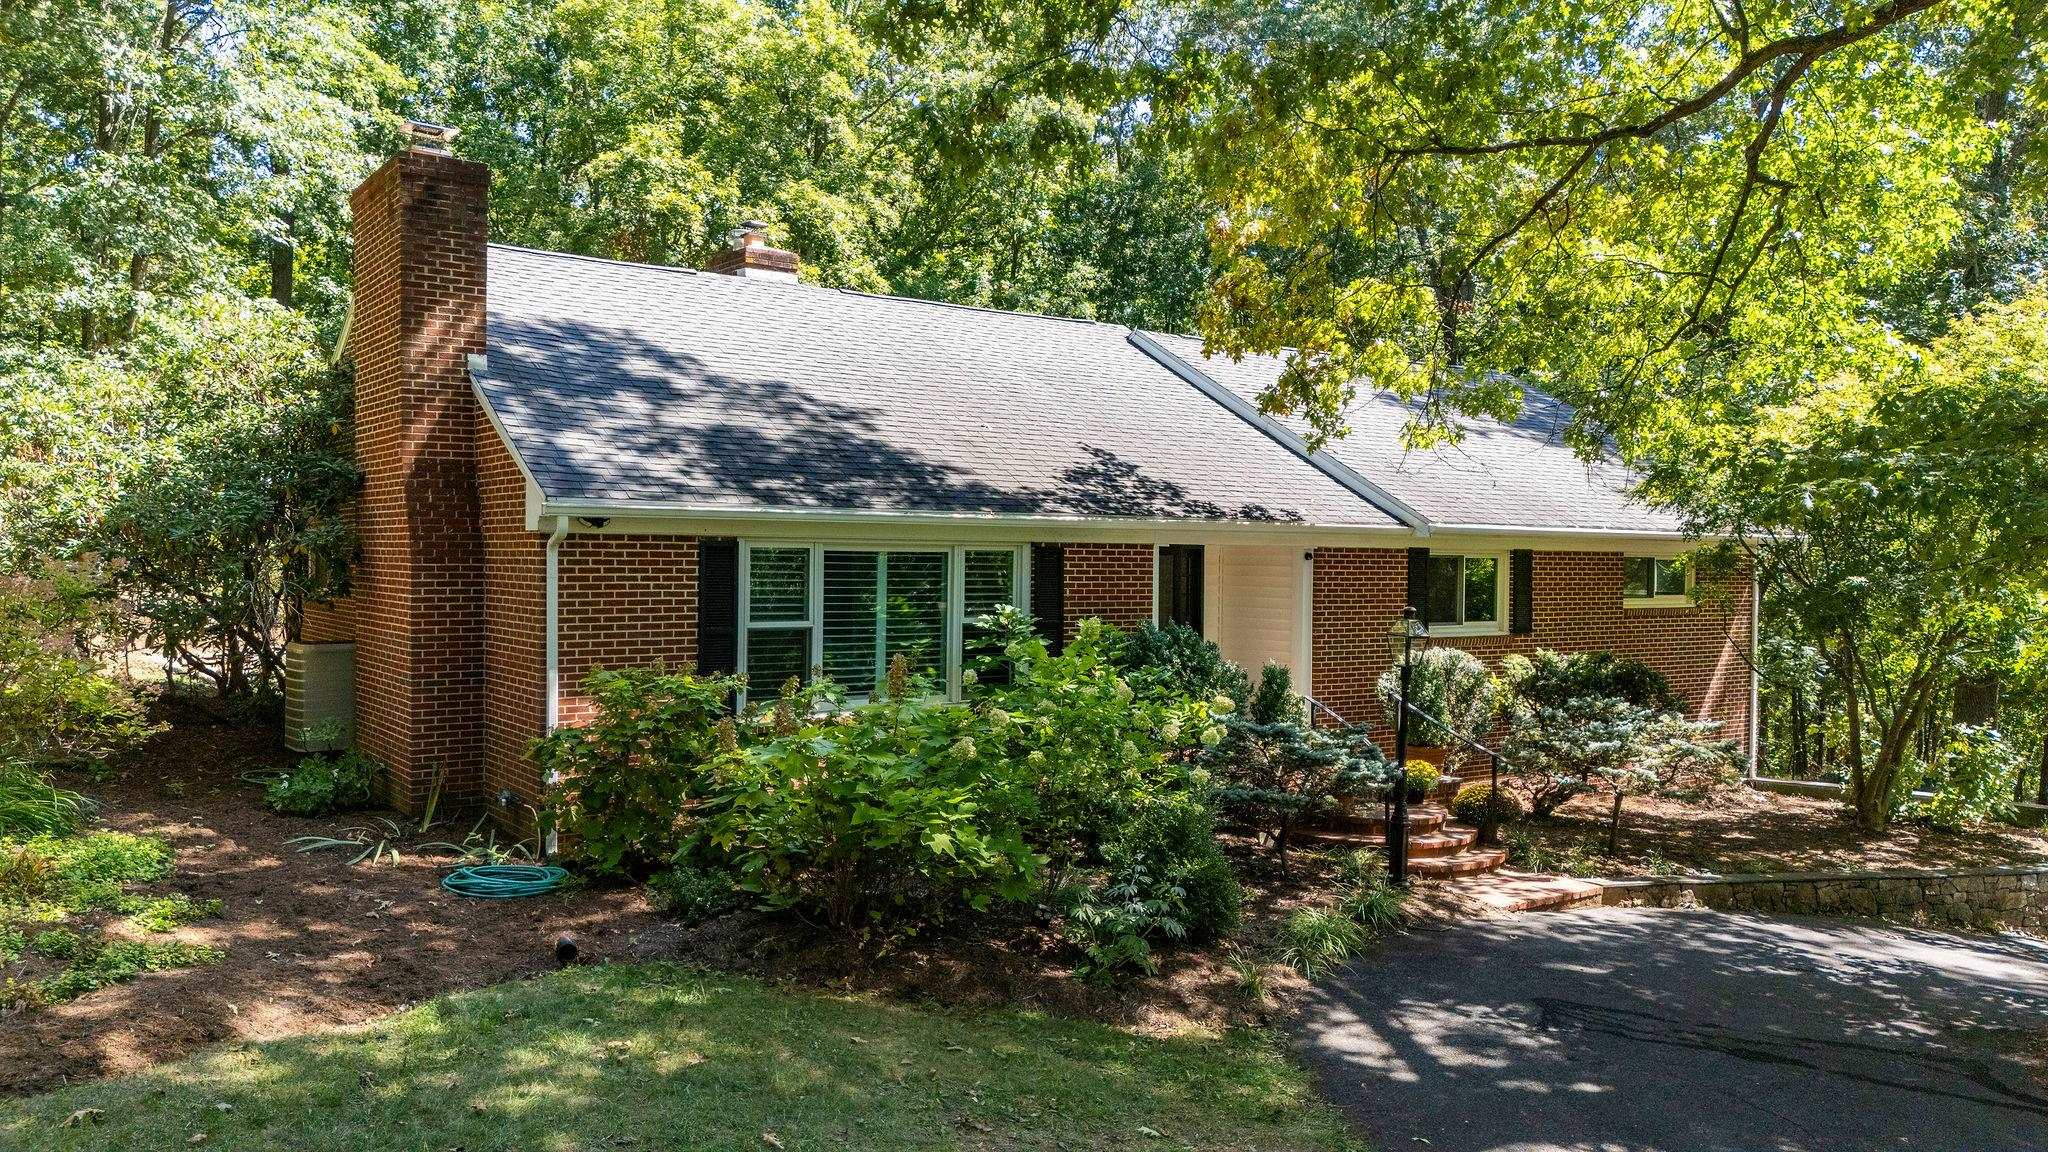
x,y
504,881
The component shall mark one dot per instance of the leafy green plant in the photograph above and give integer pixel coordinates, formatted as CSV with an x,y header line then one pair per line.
x,y
1276,775
57,710
1315,940
97,963
1173,659
1165,879
30,804
320,785
1486,808
1973,780
1448,685
693,894
881,810
625,789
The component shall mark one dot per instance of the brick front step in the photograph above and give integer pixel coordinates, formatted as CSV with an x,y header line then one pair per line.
x,y
1505,891
1442,842
1470,862
1372,821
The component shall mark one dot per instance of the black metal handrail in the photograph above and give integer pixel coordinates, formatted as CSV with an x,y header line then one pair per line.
x,y
1493,763
1460,737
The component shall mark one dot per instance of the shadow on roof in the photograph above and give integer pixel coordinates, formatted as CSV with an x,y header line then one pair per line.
x,y
600,413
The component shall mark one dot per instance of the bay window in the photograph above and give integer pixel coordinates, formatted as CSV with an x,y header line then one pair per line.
x,y
848,611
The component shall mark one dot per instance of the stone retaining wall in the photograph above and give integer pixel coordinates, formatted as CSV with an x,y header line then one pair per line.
x,y
1988,898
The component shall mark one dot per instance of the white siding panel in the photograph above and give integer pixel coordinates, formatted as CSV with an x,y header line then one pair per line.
x,y
1254,598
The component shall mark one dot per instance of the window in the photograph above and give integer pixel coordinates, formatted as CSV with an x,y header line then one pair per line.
x,y
1654,580
849,611
778,635
1464,592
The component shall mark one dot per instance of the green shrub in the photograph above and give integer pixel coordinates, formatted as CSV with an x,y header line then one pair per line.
x,y
30,804
624,788
889,808
1274,701
1176,838
693,894
1485,807
1166,878
1555,677
57,710
1973,780
1451,685
1375,905
320,785
1274,776
1173,659
1315,940
56,943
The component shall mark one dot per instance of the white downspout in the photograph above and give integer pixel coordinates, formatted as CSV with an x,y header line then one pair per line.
x,y
1756,625
551,613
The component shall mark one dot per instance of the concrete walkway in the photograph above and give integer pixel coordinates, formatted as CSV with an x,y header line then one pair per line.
x,y
1613,1029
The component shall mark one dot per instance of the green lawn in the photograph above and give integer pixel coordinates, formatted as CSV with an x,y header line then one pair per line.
x,y
662,1057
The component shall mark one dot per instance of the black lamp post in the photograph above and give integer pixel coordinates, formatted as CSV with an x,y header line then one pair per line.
x,y
1401,645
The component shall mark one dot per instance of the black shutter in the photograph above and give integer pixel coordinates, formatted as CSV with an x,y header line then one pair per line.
x,y
1521,592
1049,593
1180,584
718,606
1418,582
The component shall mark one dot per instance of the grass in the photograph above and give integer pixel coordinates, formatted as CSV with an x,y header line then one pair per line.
x,y
50,880
661,1057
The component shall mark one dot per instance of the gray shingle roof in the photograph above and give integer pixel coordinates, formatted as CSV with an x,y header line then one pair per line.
x,y
1519,475
630,383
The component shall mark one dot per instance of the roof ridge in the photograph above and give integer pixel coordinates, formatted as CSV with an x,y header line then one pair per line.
x,y
682,268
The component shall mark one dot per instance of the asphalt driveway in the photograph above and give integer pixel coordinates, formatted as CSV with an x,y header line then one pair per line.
x,y
1614,1029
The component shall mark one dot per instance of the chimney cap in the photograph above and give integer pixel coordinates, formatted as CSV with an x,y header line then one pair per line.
x,y
434,137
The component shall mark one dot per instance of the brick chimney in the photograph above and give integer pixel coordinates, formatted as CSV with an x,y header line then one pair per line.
x,y
747,254
420,225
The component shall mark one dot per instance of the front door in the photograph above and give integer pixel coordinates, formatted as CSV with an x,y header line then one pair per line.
x,y
1180,585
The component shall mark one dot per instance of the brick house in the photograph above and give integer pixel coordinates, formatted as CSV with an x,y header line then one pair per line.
x,y
573,463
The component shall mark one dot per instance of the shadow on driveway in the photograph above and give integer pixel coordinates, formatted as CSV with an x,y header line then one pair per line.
x,y
1697,1031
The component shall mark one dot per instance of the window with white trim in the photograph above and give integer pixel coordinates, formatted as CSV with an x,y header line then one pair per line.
x,y
849,610
1655,580
1465,593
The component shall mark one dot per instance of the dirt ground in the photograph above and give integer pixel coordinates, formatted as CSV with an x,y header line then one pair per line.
x,y
313,942
1745,831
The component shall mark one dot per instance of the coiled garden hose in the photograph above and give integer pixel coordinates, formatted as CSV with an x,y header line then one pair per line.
x,y
504,881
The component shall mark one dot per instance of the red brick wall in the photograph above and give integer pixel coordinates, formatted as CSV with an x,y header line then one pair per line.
x,y
515,700
420,224
1110,582
626,602
1576,607
328,623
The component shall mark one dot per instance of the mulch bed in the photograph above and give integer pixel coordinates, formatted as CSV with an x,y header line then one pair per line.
x,y
1740,830
313,942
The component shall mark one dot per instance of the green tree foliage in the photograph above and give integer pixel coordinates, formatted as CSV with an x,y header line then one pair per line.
x,y
1899,515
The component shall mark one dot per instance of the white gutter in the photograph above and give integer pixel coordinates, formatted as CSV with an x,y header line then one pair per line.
x,y
1329,465
1756,624
551,623
551,640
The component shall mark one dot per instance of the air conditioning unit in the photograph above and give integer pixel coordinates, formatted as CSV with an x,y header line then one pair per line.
x,y
319,696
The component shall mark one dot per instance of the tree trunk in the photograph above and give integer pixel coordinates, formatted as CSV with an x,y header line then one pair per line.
x,y
2041,777
1614,822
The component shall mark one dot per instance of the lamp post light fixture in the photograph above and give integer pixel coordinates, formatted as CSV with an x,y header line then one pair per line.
x,y
1401,642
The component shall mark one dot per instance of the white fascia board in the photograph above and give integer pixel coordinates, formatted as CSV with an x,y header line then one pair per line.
x,y
1329,465
536,500
631,516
